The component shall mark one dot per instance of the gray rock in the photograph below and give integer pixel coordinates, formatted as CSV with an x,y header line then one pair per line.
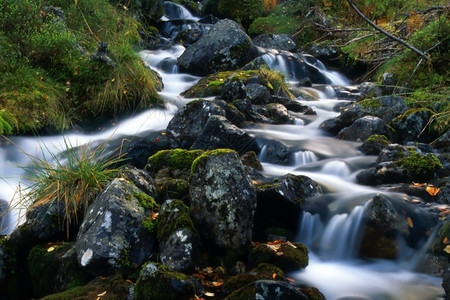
x,y
268,290
223,200
275,41
220,133
363,128
179,242
112,237
225,47
410,127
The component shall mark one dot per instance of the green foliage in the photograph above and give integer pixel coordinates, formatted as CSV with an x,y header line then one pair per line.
x,y
420,166
48,66
71,180
285,18
244,11
180,159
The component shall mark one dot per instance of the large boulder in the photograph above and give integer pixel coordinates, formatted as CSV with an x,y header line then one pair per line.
x,y
275,41
410,126
225,47
223,200
112,236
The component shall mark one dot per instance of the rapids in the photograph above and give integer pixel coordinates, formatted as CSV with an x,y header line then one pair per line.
x,y
334,266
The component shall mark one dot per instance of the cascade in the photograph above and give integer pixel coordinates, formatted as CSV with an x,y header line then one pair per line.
x,y
332,239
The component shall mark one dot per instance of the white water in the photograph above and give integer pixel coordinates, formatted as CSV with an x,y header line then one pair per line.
x,y
334,267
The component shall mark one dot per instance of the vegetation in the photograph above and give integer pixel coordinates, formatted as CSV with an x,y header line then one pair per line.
x,y
50,75
70,181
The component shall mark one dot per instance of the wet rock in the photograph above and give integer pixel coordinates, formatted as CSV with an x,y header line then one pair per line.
x,y
179,242
396,164
280,203
410,127
190,121
257,94
112,236
275,41
362,128
379,235
345,119
374,144
278,113
224,47
223,200
251,160
446,283
233,88
276,152
141,179
4,217
268,289
156,282
220,133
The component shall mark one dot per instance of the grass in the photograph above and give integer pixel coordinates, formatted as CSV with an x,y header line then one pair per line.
x,y
71,179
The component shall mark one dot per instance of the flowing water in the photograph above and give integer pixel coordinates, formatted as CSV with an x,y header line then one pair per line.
x,y
333,241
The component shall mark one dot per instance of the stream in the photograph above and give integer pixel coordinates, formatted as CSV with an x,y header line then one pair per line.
x,y
334,267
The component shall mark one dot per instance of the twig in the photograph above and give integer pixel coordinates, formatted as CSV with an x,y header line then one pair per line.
x,y
391,36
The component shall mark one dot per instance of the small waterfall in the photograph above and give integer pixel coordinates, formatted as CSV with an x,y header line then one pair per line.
x,y
304,157
175,11
336,167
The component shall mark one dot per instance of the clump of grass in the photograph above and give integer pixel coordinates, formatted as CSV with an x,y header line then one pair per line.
x,y
70,180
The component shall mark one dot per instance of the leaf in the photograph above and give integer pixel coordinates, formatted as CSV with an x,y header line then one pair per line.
x,y
446,240
50,249
432,190
209,294
447,249
101,294
410,222
274,275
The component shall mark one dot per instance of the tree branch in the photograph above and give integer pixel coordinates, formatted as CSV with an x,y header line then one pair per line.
x,y
389,35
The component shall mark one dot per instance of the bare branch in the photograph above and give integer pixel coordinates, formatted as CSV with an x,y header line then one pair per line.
x,y
391,36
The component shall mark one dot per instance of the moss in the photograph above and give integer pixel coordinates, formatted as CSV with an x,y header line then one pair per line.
x,y
180,159
371,103
158,282
443,239
268,271
420,166
288,257
149,224
146,201
238,281
378,138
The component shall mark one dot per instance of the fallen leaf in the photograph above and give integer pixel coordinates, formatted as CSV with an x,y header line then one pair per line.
x,y
274,275
410,222
447,249
290,279
279,253
50,249
432,190
217,283
209,294
446,240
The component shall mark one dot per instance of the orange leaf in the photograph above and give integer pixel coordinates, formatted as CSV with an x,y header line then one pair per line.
x,y
410,222
290,279
446,240
274,275
432,190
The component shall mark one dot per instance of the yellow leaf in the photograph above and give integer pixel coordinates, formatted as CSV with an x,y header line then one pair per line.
x,y
50,249
447,249
410,222
432,190
209,294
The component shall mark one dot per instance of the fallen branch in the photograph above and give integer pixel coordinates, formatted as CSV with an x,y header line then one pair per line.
x,y
389,35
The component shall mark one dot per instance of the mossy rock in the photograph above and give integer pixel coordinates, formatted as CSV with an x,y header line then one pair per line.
x,y
156,282
374,144
178,161
112,288
442,246
238,281
268,271
287,256
419,166
175,217
53,269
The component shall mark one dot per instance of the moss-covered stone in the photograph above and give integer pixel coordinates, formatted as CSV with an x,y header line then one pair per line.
x,y
170,220
420,166
200,160
238,281
156,282
179,161
442,246
268,271
287,256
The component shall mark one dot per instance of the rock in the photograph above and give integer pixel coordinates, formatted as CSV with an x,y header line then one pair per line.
x,y
53,268
4,217
102,56
233,88
287,256
112,236
177,162
156,282
257,93
179,242
275,41
363,128
141,179
345,119
223,200
410,126
379,237
276,152
374,144
268,290
446,283
220,133
278,113
280,203
190,121
396,164
224,47
384,107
